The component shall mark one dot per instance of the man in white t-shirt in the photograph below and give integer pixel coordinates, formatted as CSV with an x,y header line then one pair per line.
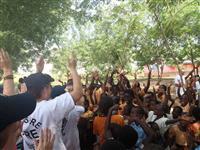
x,y
70,134
158,117
49,113
180,82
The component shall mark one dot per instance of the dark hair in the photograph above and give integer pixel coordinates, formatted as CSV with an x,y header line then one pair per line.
x,y
112,145
128,136
196,113
141,111
21,81
128,96
105,103
127,109
115,130
180,110
69,82
115,90
164,87
116,99
86,103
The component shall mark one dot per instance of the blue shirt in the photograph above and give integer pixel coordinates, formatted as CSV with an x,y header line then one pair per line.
x,y
141,134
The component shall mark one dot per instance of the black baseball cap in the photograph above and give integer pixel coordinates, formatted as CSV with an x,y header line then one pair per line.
x,y
37,80
15,108
58,90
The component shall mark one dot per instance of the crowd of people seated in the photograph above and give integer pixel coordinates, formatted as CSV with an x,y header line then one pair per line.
x,y
98,112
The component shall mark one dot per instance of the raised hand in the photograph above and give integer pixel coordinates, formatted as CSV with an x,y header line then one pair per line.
x,y
5,61
40,64
46,140
72,62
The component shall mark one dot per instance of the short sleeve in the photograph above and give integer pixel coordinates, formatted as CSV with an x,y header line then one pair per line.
x,y
61,106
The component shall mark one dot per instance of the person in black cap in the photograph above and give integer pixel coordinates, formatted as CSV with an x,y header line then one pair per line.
x,y
49,112
12,108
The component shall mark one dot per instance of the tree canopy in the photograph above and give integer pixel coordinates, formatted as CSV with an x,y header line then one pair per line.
x,y
148,32
102,33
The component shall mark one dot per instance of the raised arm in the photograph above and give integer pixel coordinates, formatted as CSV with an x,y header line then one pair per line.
x,y
40,64
190,73
148,82
107,131
169,96
6,66
77,86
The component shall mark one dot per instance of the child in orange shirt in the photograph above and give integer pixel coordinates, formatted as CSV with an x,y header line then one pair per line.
x,y
99,122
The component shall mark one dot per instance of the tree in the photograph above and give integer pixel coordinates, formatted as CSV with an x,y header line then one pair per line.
x,y
29,28
149,32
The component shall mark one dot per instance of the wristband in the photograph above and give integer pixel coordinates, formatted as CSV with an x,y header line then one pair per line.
x,y
8,77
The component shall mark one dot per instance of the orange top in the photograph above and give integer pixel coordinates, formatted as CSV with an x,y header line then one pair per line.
x,y
99,125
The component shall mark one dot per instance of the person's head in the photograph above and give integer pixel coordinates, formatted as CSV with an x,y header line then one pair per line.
x,y
185,121
148,97
69,85
121,95
162,88
177,112
116,99
22,86
152,105
138,112
196,113
104,104
159,111
128,136
57,91
115,130
184,99
112,145
136,84
12,111
128,96
39,85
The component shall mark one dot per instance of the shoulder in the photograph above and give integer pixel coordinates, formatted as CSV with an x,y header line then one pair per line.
x,y
79,108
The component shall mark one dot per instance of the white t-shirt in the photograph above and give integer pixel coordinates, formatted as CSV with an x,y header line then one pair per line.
x,y
177,81
70,134
197,84
47,114
162,125
151,116
161,122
